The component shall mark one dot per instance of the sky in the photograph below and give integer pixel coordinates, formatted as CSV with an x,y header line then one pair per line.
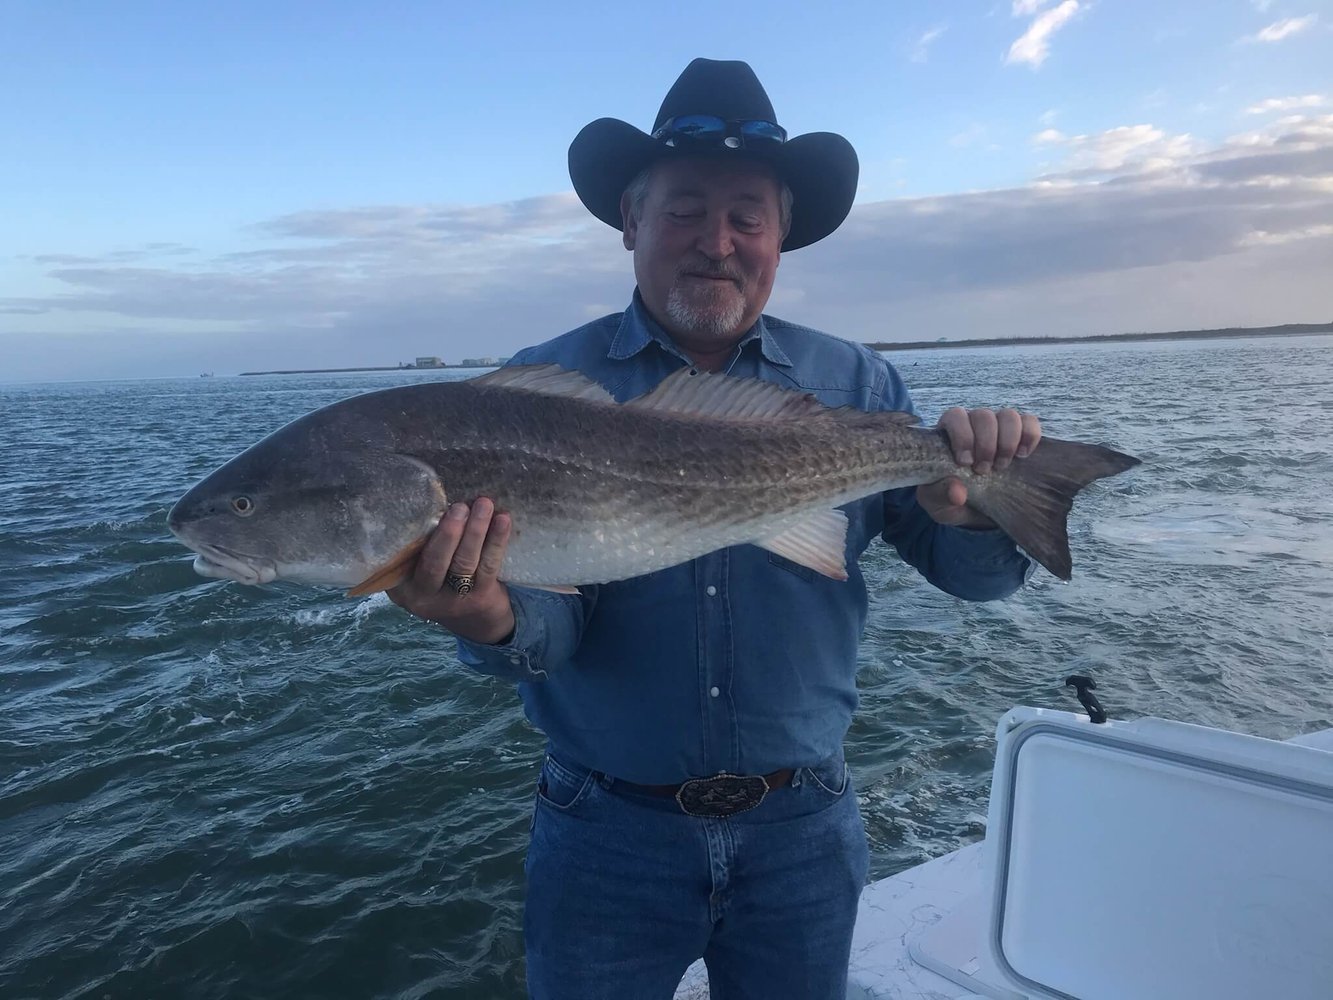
x,y
193,187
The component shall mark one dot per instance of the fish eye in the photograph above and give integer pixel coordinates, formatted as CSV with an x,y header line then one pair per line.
x,y
243,505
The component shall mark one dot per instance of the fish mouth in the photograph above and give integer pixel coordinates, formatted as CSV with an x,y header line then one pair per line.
x,y
220,563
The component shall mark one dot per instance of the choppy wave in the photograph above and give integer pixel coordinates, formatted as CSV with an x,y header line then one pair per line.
x,y
215,791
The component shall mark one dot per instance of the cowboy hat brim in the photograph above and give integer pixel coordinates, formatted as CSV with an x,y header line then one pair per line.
x,y
820,168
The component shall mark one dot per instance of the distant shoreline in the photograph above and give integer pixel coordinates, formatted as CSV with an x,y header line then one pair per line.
x,y
1287,330
374,368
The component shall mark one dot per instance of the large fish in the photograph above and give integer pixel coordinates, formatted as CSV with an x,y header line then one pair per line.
x,y
598,491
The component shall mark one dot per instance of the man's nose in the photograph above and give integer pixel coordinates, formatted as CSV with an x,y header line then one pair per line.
x,y
715,240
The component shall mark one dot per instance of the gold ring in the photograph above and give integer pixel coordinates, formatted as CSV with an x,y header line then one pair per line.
x,y
460,583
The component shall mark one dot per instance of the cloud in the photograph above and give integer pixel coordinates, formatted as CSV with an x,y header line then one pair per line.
x,y
1259,237
1287,104
1134,228
1034,45
1285,28
921,50
145,252
1135,148
1240,233
972,135
345,261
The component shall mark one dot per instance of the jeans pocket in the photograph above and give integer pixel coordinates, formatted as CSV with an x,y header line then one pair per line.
x,y
831,777
562,788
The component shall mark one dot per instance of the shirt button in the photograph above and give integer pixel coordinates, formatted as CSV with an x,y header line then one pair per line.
x,y
713,692
710,590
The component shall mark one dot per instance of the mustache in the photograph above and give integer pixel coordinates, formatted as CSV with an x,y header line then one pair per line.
x,y
710,269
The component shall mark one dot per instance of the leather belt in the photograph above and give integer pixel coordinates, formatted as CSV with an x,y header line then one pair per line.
x,y
721,795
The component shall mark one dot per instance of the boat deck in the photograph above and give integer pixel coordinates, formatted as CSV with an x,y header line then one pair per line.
x,y
895,913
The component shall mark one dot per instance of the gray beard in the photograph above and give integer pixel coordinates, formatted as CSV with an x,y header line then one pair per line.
x,y
712,319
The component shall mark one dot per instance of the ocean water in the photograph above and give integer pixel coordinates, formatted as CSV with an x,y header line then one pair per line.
x,y
214,791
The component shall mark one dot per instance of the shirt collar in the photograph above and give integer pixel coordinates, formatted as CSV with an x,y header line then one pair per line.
x,y
638,329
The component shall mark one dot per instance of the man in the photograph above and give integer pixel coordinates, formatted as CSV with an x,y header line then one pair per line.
x,y
694,800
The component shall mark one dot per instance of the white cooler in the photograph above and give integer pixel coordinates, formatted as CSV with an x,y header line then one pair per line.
x,y
1144,860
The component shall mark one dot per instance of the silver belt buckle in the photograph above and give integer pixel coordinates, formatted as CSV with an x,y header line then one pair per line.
x,y
721,795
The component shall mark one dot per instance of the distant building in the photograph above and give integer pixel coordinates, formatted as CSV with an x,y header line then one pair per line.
x,y
483,362
429,363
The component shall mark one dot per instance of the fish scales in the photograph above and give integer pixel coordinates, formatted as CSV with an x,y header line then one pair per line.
x,y
580,476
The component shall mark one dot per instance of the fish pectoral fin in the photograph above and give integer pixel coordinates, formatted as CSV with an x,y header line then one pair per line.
x,y
392,573
817,542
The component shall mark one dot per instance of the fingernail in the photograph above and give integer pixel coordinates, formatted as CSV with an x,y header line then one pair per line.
x,y
1001,464
981,468
1024,452
964,458
458,512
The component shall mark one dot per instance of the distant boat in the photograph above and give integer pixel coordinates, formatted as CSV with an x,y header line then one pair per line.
x,y
205,374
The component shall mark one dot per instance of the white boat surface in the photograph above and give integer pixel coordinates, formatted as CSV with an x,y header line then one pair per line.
x,y
1144,859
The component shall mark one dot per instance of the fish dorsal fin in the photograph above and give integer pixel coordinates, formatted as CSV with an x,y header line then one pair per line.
x,y
548,380
690,391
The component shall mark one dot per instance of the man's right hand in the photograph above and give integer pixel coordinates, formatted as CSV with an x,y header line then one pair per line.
x,y
466,543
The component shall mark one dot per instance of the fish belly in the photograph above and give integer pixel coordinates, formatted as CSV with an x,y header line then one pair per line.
x,y
552,552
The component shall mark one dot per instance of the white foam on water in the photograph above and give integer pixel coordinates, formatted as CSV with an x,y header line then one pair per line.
x,y
1244,530
322,616
357,612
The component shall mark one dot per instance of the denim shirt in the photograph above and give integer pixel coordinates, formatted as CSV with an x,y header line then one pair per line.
x,y
739,661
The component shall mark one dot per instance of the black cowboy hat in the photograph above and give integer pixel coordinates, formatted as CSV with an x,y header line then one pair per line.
x,y
719,107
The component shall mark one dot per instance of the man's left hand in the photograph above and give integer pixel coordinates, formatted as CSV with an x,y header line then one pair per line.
x,y
984,441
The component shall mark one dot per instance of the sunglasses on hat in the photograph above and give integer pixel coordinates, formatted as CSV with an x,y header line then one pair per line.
x,y
716,131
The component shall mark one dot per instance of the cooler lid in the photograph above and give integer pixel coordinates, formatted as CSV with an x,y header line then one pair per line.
x,y
1156,859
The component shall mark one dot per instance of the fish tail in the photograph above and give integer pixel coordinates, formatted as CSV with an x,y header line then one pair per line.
x,y
1031,499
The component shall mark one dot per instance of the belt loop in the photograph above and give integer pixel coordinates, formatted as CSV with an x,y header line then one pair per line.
x,y
605,780
796,777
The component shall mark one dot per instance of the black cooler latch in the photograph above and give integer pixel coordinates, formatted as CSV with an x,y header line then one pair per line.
x,y
1083,687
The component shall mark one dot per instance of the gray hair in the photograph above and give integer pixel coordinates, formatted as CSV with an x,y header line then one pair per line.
x,y
637,189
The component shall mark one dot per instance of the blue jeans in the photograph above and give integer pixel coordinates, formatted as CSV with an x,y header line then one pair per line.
x,y
625,891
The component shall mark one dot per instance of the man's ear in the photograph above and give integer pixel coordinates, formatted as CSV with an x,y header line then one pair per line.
x,y
629,224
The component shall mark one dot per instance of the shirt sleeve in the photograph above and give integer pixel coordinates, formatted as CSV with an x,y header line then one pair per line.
x,y
547,630
976,565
